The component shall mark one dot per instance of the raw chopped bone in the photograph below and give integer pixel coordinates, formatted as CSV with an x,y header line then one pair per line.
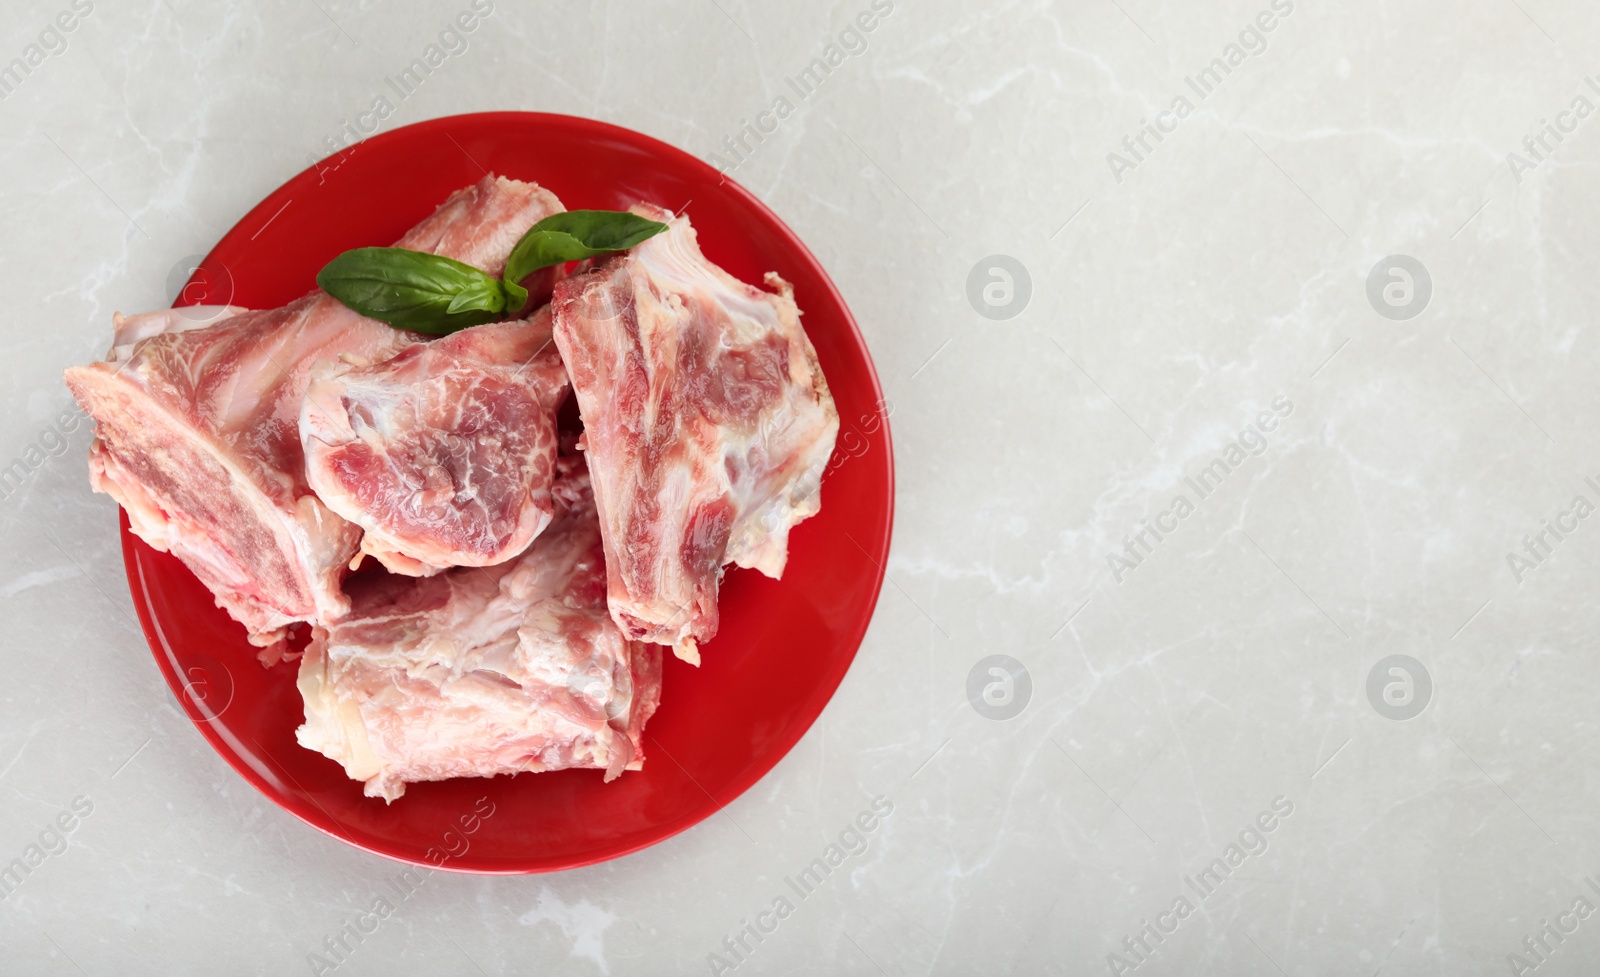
x,y
478,672
197,429
707,424
445,453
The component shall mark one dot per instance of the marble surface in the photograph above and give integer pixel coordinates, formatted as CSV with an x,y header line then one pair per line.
x,y
1074,328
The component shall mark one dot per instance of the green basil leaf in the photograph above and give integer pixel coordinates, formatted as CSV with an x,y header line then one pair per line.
x,y
413,289
574,235
487,295
516,297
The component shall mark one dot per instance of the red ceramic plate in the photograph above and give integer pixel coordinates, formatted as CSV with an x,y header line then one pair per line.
x,y
784,645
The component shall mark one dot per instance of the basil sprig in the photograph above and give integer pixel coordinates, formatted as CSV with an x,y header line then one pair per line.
x,y
433,294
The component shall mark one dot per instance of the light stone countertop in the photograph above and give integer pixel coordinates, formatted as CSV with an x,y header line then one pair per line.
x,y
1320,264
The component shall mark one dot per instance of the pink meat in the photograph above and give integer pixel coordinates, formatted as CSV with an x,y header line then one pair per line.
x,y
197,429
445,453
478,672
707,424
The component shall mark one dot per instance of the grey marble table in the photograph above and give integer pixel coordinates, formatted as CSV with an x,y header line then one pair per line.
x,y
1242,357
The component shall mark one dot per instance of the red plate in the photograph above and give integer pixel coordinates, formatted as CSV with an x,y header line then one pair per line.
x,y
783,647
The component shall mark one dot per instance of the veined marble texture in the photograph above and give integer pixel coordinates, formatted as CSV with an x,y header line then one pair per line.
x,y
1325,272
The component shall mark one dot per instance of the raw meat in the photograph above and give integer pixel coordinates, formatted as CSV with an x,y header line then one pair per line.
x,y
194,436
707,424
478,672
128,330
197,429
445,453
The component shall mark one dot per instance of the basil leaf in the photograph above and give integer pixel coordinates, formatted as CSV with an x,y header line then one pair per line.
x,y
516,297
574,235
413,289
486,295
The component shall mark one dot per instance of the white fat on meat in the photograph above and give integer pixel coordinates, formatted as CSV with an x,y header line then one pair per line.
x,y
479,672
